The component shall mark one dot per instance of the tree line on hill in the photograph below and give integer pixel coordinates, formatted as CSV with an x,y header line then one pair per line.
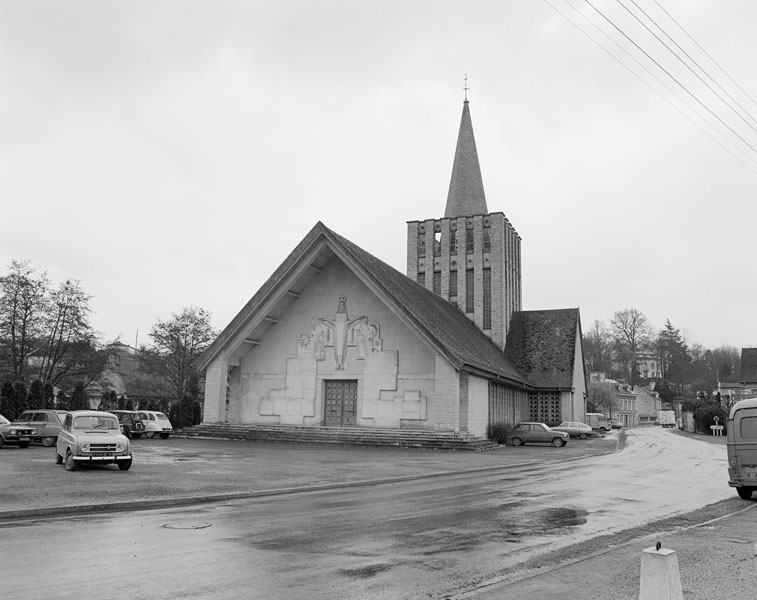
x,y
51,356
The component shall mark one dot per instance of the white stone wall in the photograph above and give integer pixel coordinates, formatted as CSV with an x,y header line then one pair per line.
x,y
281,383
478,405
216,378
446,398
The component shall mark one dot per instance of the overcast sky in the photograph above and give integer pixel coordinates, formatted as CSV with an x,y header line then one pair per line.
x,y
173,153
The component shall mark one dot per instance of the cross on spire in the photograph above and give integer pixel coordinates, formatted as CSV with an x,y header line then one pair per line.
x,y
465,86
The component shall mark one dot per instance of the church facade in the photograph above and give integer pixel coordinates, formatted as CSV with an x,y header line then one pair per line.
x,y
338,338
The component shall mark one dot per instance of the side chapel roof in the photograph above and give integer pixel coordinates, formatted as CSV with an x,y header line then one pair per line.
x,y
442,324
542,344
466,187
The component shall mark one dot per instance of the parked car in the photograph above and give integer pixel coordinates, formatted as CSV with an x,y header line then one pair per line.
x,y
615,424
532,432
47,422
15,434
156,423
575,429
92,437
131,423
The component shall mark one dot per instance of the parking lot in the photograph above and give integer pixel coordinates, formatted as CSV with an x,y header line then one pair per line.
x,y
199,469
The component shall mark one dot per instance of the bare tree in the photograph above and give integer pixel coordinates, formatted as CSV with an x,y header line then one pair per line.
x,y
66,332
22,296
598,347
631,332
177,344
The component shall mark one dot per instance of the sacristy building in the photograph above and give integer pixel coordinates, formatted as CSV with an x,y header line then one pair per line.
x,y
338,338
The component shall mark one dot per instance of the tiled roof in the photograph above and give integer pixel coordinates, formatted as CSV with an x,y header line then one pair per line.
x,y
748,366
452,334
542,344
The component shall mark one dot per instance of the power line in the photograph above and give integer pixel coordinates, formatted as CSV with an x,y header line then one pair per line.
x,y
751,167
683,62
692,59
722,70
669,74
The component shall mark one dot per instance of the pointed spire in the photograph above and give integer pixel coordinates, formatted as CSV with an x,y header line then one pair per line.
x,y
466,188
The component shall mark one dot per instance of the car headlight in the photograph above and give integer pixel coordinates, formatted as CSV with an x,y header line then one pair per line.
x,y
13,432
120,447
85,447
34,432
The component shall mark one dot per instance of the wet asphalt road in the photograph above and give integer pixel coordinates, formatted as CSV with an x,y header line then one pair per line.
x,y
414,539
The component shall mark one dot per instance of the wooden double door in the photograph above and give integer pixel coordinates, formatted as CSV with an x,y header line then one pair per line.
x,y
340,402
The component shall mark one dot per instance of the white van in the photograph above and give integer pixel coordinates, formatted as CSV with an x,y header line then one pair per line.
x,y
598,421
741,439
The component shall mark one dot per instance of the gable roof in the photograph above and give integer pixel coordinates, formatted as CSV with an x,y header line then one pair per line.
x,y
440,323
748,365
542,344
466,187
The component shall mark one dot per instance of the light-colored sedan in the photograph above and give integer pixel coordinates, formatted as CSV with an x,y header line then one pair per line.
x,y
537,433
575,429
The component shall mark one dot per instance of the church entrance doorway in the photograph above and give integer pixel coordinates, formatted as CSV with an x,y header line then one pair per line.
x,y
341,402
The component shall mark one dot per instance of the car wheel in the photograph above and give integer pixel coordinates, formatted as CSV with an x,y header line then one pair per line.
x,y
48,442
164,436
517,442
745,493
150,434
70,462
582,436
558,442
124,465
136,435
23,444
58,458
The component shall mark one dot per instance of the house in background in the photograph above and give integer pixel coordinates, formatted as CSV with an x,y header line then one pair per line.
x,y
338,338
744,384
616,399
648,404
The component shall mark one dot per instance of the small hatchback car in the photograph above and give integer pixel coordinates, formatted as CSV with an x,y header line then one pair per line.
x,y
15,434
156,423
131,423
47,423
540,433
92,437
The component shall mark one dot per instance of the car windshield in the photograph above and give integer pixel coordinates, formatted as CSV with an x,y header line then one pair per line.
x,y
94,422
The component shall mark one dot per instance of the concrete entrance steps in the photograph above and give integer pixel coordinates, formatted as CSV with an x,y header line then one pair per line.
x,y
358,436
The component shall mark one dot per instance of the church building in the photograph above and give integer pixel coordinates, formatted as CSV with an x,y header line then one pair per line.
x,y
338,338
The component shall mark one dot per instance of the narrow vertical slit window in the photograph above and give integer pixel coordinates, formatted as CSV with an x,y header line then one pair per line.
x,y
487,321
453,242
469,290
421,278
438,243
469,245
452,285
438,282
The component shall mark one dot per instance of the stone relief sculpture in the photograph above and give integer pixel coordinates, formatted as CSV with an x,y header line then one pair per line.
x,y
340,332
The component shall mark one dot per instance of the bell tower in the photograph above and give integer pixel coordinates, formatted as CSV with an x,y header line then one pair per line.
x,y
471,257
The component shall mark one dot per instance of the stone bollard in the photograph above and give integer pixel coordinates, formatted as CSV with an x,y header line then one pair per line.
x,y
660,578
